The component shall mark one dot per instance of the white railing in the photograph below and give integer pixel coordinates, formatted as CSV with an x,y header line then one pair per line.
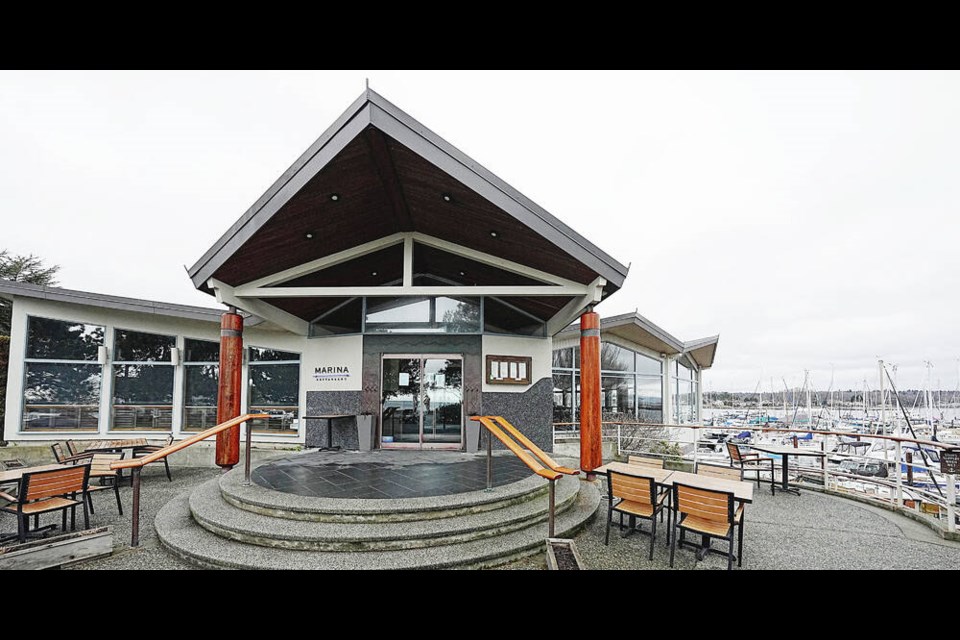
x,y
931,496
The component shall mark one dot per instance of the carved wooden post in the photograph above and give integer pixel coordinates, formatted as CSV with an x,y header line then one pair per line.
x,y
591,448
228,393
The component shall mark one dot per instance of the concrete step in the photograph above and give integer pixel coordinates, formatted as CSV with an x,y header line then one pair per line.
x,y
182,536
257,499
213,513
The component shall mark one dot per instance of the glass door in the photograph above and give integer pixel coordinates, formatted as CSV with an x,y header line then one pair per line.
x,y
421,402
442,401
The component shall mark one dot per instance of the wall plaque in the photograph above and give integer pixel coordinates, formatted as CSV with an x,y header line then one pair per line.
x,y
508,369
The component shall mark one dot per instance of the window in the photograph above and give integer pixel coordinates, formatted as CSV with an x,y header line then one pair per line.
x,y
142,382
631,385
345,316
62,376
437,314
685,394
503,317
201,378
274,390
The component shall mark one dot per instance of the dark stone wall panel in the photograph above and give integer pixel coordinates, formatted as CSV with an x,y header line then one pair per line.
x,y
329,403
531,412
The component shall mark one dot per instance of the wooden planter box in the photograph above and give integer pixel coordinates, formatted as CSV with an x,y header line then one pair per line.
x,y
562,555
58,550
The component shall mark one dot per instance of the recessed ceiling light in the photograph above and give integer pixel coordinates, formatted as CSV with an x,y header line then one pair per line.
x,y
309,236
463,273
335,197
373,273
446,197
493,234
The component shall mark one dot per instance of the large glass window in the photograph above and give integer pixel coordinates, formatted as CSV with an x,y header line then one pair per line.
x,y
142,382
201,377
437,314
62,376
503,317
685,394
618,398
274,390
631,385
616,358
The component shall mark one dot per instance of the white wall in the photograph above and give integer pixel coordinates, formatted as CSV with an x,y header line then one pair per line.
x,y
333,351
539,349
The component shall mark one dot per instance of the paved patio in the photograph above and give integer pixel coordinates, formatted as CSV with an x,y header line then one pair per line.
x,y
813,531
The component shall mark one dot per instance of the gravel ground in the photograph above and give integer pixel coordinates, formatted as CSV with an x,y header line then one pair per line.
x,y
155,492
813,531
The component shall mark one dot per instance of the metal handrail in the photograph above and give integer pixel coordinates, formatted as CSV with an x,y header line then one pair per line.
x,y
136,464
542,464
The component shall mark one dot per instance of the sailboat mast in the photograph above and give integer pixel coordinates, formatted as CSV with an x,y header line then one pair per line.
x,y
883,409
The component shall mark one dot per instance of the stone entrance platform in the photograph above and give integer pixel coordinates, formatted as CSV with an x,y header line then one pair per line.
x,y
386,474
438,520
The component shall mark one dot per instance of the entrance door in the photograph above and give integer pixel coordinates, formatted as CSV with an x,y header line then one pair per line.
x,y
421,402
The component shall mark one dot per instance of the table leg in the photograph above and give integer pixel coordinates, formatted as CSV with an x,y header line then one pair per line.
x,y
785,481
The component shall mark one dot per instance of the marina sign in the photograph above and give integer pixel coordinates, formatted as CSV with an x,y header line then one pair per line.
x,y
950,461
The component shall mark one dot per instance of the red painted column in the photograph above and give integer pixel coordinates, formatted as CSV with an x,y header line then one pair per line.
x,y
228,393
591,452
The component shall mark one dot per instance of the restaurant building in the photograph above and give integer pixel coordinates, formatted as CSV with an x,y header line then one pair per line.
x,y
385,274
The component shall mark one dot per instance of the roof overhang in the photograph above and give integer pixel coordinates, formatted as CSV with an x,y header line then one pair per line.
x,y
9,290
703,351
638,330
391,171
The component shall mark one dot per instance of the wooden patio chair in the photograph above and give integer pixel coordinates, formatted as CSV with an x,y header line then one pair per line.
x,y
46,491
147,449
67,458
753,462
636,497
109,478
656,463
716,471
711,514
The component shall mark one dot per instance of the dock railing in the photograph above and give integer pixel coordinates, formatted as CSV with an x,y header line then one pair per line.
x,y
925,494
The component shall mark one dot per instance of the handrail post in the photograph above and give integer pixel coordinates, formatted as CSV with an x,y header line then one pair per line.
x,y
696,448
489,461
135,522
823,463
951,502
553,507
246,462
899,475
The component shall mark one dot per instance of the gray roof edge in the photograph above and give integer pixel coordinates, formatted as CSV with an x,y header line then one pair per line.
x,y
499,183
700,342
278,184
10,289
212,258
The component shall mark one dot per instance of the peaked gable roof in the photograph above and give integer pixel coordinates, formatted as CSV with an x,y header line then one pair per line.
x,y
403,163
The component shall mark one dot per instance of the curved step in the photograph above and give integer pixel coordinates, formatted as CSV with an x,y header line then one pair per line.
x,y
216,515
185,538
290,506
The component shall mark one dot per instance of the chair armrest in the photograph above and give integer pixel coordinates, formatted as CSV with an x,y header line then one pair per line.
x,y
79,456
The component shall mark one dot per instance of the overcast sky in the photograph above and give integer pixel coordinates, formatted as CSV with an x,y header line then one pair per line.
x,y
810,219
